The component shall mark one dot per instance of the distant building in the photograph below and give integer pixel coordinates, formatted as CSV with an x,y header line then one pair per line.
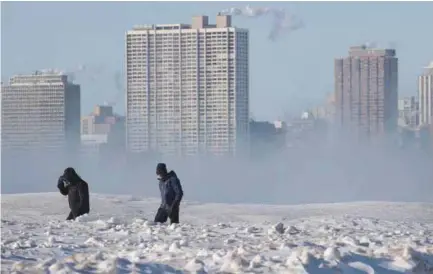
x,y
102,131
327,110
101,121
425,96
366,86
305,130
40,112
408,112
188,88
266,138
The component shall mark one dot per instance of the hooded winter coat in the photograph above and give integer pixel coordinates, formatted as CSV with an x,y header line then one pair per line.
x,y
77,190
171,190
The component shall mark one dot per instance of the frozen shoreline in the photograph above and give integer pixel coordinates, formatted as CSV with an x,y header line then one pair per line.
x,y
118,236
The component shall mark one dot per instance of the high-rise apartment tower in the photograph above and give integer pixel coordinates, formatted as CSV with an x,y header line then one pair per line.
x,y
40,112
366,86
425,96
187,88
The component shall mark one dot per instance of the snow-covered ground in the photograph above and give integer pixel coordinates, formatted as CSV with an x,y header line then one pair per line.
x,y
119,237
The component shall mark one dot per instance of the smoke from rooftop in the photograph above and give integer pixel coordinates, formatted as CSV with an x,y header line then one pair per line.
x,y
93,73
283,22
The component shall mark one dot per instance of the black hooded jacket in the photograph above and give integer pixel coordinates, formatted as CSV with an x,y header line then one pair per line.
x,y
171,190
77,190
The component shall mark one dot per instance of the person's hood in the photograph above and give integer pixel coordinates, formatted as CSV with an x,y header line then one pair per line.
x,y
169,175
72,178
172,174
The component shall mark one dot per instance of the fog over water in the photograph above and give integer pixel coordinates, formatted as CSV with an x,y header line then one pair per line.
x,y
335,171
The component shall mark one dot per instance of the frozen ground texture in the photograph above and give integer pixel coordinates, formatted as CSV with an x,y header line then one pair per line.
x,y
118,237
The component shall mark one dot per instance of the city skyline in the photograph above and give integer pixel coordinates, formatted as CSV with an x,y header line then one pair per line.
x,y
173,136
279,74
304,149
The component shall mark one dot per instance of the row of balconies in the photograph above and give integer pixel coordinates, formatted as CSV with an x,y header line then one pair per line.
x,y
219,100
209,111
192,62
183,45
179,142
180,138
223,125
176,43
183,33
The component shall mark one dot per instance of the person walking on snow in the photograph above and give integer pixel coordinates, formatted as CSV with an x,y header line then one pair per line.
x,y
171,195
70,184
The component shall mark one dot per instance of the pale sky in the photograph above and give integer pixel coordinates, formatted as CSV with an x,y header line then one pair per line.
x,y
287,75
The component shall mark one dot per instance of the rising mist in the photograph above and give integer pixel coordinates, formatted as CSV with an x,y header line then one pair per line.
x,y
335,170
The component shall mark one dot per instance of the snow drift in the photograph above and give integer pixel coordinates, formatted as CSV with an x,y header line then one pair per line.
x,y
117,237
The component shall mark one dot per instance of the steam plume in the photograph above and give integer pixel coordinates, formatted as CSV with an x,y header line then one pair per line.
x,y
283,23
72,73
85,73
94,73
371,44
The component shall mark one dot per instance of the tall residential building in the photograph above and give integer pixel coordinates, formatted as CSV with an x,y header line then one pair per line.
x,y
366,86
187,88
40,112
425,96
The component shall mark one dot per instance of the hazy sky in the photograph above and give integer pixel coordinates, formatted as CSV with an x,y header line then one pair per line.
x,y
286,75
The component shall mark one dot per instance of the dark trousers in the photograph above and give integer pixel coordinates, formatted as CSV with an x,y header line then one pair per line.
x,y
174,216
162,215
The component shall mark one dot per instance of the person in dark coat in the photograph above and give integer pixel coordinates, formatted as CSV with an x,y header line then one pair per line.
x,y
70,184
171,195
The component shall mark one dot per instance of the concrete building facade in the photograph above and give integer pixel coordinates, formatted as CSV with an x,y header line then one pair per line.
x,y
366,87
40,111
425,96
187,88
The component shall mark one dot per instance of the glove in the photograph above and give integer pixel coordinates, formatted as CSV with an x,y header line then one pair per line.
x,y
66,183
